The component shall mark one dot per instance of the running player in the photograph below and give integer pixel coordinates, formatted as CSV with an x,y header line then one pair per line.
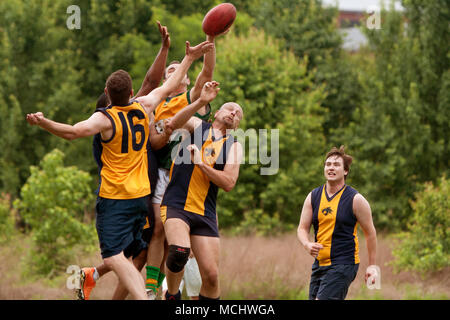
x,y
90,275
124,185
188,208
177,100
334,209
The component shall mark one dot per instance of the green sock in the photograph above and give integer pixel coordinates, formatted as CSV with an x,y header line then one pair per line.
x,y
161,279
152,278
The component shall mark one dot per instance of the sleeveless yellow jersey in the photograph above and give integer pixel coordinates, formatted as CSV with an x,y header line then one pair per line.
x,y
122,159
335,226
189,188
170,106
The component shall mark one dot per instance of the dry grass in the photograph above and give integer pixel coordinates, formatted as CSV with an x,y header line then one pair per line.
x,y
251,268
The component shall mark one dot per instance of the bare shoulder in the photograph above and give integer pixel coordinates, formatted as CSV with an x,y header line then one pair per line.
x,y
360,205
359,200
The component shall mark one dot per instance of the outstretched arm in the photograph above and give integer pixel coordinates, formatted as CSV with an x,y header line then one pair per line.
x,y
151,101
184,117
208,94
156,72
227,178
207,72
98,122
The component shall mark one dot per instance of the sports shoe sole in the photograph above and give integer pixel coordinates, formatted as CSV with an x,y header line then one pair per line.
x,y
80,292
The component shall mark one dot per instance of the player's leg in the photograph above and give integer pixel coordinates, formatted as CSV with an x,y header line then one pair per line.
x,y
139,262
155,253
177,233
336,281
207,252
128,275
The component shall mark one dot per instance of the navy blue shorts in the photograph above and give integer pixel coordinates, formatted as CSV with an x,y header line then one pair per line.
x,y
120,224
198,225
331,282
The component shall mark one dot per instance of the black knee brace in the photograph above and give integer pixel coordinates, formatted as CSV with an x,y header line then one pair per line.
x,y
177,258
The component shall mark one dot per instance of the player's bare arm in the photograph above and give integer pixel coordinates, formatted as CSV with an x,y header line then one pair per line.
x,y
304,226
227,178
156,72
207,72
98,122
209,93
363,214
158,140
151,101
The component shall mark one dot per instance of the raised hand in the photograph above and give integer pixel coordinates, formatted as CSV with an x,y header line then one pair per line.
x,y
199,50
35,118
209,91
165,36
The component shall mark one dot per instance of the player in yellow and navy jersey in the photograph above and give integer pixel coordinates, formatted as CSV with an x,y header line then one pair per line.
x,y
178,99
335,209
90,275
208,159
124,186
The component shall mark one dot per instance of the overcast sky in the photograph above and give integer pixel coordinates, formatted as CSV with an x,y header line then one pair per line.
x,y
361,5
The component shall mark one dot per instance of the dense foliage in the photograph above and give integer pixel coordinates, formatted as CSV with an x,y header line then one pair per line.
x,y
389,103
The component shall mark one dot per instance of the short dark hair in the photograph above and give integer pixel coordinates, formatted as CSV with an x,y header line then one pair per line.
x,y
102,101
119,87
347,159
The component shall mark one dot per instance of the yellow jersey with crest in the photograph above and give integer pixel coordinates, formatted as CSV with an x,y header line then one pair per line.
x,y
122,159
335,226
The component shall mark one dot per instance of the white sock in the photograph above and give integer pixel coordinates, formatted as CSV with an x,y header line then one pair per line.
x,y
96,275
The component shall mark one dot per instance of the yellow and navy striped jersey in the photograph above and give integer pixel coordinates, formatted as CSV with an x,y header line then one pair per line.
x,y
189,188
122,159
171,105
168,109
335,226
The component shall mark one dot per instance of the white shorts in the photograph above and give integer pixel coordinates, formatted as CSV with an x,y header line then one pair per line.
x,y
161,185
191,278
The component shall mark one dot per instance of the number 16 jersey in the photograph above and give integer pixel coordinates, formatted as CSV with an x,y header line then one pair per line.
x,y
122,159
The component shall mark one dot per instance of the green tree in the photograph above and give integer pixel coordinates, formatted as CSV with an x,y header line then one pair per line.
x,y
309,28
400,131
7,218
53,204
426,244
276,91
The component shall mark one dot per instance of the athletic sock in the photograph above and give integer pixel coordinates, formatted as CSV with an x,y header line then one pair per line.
x,y
160,279
96,275
152,278
176,296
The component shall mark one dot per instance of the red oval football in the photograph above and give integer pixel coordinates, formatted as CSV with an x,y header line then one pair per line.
x,y
219,19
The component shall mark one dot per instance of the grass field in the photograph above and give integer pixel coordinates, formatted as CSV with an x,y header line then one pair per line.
x,y
251,268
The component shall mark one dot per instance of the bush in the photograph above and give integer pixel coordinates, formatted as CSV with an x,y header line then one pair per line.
x,y
7,218
426,246
53,202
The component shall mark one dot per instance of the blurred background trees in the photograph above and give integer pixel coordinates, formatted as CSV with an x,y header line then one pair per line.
x,y
283,62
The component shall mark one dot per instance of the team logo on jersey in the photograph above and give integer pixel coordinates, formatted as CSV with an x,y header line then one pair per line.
x,y
209,155
327,211
210,152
